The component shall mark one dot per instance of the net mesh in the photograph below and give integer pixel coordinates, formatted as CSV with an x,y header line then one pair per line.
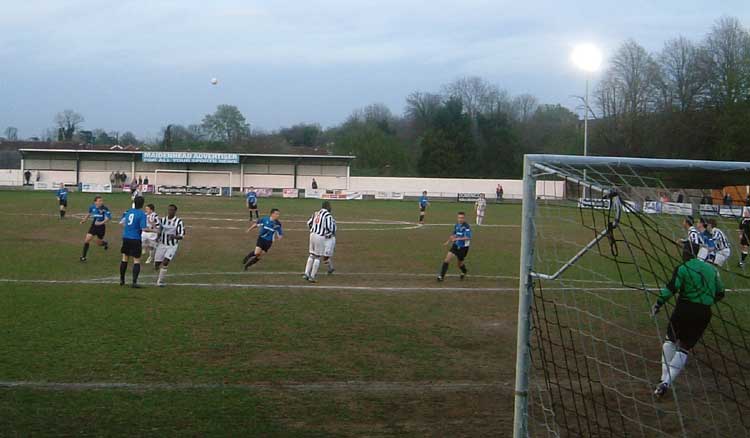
x,y
595,349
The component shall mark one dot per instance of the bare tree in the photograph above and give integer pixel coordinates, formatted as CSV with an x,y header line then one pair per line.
x,y
683,74
11,133
636,75
728,50
422,107
524,106
478,95
68,122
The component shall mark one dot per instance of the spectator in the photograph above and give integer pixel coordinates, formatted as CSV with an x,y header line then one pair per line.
x,y
140,180
145,180
747,200
499,193
727,199
112,179
680,197
27,177
314,184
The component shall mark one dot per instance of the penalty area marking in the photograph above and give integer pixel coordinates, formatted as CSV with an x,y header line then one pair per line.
x,y
342,386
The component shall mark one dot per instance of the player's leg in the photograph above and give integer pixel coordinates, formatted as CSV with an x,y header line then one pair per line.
x,y
461,265
444,266
100,233
328,256
123,267
63,208
255,257
167,258
421,216
310,258
86,245
744,249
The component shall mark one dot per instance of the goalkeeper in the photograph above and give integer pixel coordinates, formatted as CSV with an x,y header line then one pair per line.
x,y
698,286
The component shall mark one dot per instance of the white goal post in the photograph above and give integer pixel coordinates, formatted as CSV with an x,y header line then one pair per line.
x,y
226,176
591,267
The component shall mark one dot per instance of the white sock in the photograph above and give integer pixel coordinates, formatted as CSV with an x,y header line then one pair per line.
x,y
676,365
315,267
308,267
162,274
668,350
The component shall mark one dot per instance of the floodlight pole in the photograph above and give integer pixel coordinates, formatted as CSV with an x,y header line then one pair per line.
x,y
585,131
525,297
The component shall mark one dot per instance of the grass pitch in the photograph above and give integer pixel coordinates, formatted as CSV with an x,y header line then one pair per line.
x,y
378,349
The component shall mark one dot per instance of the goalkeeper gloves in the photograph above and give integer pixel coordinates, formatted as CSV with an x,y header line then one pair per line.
x,y
655,309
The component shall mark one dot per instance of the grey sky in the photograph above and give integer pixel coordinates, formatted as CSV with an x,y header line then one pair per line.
x,y
140,64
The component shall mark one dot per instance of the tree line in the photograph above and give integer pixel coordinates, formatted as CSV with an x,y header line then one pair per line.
x,y
689,100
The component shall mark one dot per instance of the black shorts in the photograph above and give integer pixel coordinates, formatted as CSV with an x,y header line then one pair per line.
x,y
97,230
264,244
132,248
422,209
253,206
460,253
688,322
64,203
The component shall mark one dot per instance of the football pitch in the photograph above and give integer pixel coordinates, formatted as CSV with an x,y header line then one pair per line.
x,y
377,349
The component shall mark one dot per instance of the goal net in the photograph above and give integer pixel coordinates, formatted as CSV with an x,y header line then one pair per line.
x,y
593,264
193,182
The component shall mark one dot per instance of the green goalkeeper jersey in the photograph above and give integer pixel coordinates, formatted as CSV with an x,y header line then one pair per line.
x,y
695,281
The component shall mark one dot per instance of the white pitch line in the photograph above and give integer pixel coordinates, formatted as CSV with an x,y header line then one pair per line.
x,y
338,386
280,286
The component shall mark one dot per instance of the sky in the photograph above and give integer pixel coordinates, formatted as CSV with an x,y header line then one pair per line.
x,y
138,65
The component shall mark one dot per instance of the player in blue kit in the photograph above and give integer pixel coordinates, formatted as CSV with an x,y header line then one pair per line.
x,y
99,215
270,229
62,199
423,204
461,240
135,222
252,203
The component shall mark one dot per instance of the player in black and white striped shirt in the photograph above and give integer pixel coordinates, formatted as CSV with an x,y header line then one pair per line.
x,y
171,233
694,236
322,229
722,249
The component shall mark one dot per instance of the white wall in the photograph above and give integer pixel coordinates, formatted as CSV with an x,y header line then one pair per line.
x,y
11,177
449,187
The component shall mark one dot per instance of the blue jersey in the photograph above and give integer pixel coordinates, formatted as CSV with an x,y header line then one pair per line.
x,y
135,221
708,240
62,194
462,230
423,201
252,197
269,228
99,214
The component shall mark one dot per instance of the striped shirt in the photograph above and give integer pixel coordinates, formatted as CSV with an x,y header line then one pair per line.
x,y
153,219
170,230
322,223
720,239
694,236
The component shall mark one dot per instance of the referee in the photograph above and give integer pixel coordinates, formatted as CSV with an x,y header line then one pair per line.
x,y
322,229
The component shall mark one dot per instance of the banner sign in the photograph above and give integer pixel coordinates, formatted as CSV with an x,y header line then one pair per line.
x,y
709,210
43,185
679,208
683,209
730,211
190,190
341,195
389,195
96,188
261,192
190,157
291,193
594,203
468,197
314,193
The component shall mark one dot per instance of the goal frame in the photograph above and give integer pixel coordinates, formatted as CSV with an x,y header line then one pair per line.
x,y
534,166
227,173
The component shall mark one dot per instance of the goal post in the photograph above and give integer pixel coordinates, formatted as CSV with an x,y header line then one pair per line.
x,y
592,265
160,179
